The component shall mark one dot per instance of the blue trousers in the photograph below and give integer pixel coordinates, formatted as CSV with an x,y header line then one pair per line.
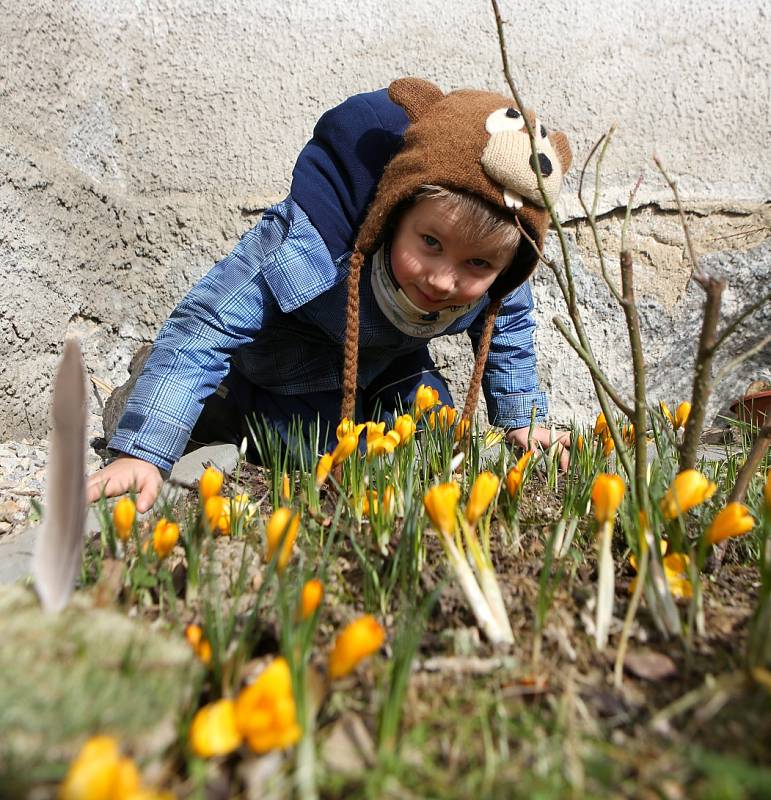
x,y
225,413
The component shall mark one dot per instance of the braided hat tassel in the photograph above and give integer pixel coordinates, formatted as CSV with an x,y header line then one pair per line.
x,y
472,396
351,350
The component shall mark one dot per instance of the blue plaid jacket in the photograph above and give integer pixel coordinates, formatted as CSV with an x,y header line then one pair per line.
x,y
275,307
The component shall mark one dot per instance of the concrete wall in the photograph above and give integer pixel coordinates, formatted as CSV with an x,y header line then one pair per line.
x,y
138,140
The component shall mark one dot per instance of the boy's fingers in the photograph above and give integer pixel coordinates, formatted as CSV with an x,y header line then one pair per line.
x,y
94,486
147,496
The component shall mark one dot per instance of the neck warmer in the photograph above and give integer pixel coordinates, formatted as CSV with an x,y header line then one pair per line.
x,y
400,310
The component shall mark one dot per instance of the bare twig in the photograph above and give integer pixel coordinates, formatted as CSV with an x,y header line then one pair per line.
x,y
566,285
758,450
731,365
697,273
638,366
702,379
739,318
591,215
628,213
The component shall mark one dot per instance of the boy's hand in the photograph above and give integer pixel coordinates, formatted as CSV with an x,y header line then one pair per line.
x,y
123,475
541,436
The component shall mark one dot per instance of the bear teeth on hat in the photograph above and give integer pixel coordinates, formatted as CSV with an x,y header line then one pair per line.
x,y
512,199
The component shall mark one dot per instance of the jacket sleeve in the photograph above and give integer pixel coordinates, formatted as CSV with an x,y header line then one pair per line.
x,y
510,380
189,359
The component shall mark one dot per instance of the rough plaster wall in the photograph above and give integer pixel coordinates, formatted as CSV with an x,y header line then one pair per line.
x,y
139,140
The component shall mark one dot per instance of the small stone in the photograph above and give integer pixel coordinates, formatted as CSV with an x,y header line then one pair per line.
x,y
190,467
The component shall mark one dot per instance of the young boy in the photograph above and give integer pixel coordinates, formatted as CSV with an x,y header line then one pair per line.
x,y
411,214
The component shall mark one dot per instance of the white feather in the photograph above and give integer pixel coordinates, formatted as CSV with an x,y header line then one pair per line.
x,y
59,545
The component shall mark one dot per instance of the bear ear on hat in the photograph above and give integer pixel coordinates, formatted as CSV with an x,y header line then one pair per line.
x,y
415,95
562,149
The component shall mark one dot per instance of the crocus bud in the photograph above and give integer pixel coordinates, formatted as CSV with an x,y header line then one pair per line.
x,y
516,474
210,483
123,515
344,448
323,468
282,524
165,537
681,415
405,427
481,495
607,493
359,639
734,520
216,510
213,731
688,489
441,502
310,597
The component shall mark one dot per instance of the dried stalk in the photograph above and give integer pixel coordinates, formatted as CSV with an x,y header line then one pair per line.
x,y
758,450
638,366
702,379
591,216
566,282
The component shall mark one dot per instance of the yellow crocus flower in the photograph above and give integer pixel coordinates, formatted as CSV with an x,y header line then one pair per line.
x,y
123,515
347,427
213,731
310,597
323,468
441,503
444,418
688,489
344,448
382,445
733,520
682,413
425,399
265,711
676,573
767,492
210,483
608,445
481,495
282,524
516,474
359,639
405,427
607,494
99,772
199,643
667,413
216,510
165,537
600,425
375,430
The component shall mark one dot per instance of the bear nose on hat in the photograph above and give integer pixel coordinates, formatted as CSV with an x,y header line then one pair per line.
x,y
543,160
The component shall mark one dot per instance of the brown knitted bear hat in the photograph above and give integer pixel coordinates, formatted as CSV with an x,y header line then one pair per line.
x,y
466,141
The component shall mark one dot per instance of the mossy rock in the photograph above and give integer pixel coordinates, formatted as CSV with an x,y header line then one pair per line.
x,y
84,671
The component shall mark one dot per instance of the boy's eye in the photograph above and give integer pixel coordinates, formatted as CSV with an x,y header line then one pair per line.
x,y
478,262
430,240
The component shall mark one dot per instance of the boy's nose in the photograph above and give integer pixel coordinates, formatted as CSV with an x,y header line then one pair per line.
x,y
442,282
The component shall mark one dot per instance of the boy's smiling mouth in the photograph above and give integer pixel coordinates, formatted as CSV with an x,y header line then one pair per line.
x,y
429,303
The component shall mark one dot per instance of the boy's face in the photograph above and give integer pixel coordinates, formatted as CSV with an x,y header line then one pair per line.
x,y
435,266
